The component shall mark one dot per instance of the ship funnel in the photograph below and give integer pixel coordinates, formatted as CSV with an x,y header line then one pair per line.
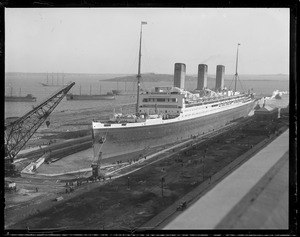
x,y
220,78
202,76
179,75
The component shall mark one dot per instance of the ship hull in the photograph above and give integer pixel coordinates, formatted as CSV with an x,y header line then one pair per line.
x,y
50,85
19,99
120,92
134,142
90,97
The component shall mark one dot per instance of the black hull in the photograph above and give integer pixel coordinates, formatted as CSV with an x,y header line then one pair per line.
x,y
19,99
90,97
120,92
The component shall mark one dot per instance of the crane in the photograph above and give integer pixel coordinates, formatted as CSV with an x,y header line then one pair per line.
x,y
96,166
97,159
18,132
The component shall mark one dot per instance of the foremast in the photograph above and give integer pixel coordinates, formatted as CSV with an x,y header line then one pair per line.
x,y
236,67
139,71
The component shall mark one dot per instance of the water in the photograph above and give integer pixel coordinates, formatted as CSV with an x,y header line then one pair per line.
x,y
31,84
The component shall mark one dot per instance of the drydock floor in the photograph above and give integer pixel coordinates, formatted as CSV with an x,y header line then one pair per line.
x,y
147,189
255,196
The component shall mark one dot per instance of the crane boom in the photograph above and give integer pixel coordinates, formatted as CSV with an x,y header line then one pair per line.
x,y
18,132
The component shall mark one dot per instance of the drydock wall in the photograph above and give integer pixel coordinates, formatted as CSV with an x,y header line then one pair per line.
x,y
54,147
33,166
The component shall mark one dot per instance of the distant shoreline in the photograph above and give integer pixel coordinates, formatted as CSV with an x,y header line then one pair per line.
x,y
132,74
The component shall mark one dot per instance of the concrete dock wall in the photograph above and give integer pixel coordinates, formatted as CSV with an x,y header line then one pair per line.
x,y
54,147
69,150
33,166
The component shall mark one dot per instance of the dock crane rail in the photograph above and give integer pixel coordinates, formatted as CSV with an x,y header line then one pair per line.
x,y
18,132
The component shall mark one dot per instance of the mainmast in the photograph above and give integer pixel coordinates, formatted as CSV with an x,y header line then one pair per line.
x,y
236,66
139,71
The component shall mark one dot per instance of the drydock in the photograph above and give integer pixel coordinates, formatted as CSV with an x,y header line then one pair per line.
x,y
139,193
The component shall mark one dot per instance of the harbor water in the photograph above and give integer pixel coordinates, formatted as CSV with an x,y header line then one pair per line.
x,y
21,84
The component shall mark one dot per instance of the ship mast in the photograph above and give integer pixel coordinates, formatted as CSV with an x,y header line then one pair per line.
x,y
236,66
139,71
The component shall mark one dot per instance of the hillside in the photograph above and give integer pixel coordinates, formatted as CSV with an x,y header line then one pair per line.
x,y
153,77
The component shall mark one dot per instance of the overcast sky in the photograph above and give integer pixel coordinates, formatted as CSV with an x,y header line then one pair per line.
x,y
106,40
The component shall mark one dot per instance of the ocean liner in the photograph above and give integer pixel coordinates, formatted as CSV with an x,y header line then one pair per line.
x,y
27,98
166,115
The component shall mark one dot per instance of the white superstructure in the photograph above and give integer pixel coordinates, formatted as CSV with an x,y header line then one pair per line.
x,y
165,105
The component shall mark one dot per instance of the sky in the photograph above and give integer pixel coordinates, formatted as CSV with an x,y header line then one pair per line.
x,y
106,40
